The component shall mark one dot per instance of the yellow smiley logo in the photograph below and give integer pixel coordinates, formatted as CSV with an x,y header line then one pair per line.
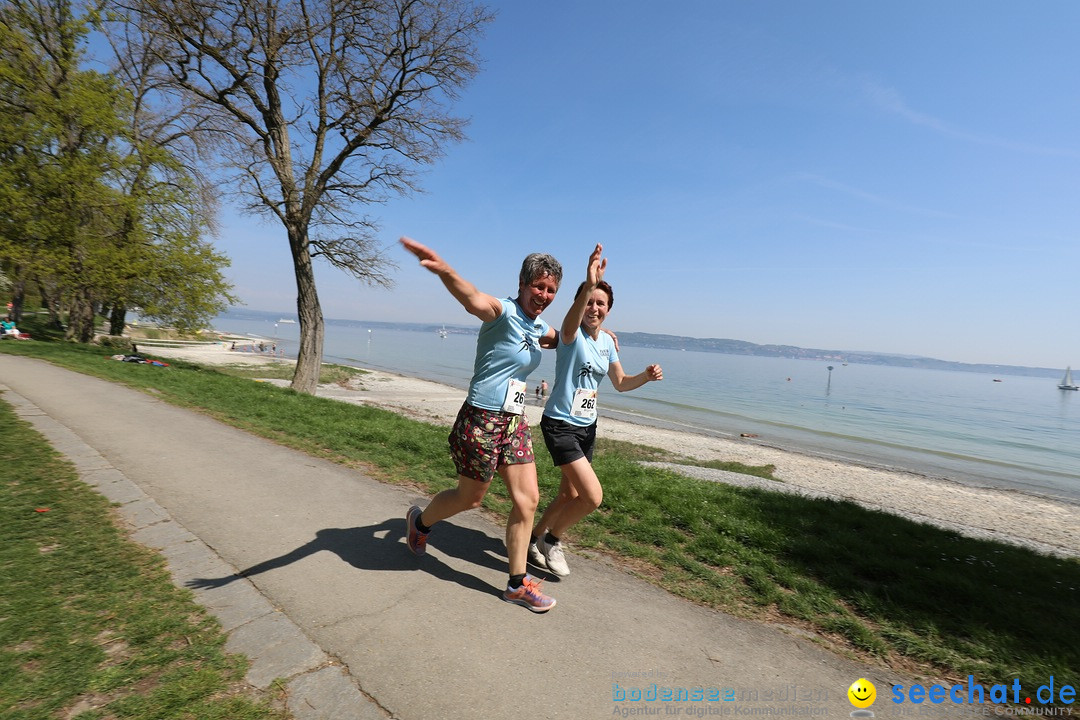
x,y
862,693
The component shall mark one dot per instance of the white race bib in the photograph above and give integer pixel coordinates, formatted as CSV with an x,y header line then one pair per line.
x,y
515,398
584,404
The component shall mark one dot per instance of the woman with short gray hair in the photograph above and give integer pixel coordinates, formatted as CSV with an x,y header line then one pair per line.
x,y
491,434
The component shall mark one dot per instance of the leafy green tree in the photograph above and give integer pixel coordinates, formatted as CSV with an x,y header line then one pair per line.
x,y
21,138
105,210
65,160
325,107
170,273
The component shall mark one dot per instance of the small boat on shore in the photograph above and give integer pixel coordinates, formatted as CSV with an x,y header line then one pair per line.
x,y
287,321
1067,381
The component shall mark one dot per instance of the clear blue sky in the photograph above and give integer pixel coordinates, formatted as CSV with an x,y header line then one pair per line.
x,y
900,177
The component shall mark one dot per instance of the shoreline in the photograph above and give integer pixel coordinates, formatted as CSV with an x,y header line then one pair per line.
x,y
1047,525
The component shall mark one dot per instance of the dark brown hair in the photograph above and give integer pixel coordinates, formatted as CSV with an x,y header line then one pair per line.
x,y
602,285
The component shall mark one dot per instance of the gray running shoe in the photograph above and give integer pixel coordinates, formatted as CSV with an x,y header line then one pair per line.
x,y
416,540
529,595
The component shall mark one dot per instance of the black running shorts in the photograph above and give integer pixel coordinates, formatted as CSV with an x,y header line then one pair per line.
x,y
567,442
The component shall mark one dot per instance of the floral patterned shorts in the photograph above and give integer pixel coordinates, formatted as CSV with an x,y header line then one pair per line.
x,y
482,441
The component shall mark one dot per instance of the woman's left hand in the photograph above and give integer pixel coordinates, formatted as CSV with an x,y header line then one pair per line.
x,y
614,337
594,273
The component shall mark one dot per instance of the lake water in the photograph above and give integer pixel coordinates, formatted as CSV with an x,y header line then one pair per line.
x,y
1021,433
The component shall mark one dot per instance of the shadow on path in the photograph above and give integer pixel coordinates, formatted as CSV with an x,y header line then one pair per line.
x,y
382,548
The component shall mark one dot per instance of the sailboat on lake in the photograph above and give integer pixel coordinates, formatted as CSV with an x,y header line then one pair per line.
x,y
1067,381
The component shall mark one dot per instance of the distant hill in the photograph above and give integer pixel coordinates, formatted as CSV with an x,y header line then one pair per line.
x,y
721,345
741,347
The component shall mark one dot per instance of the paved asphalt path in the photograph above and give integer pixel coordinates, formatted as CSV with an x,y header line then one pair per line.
x,y
304,563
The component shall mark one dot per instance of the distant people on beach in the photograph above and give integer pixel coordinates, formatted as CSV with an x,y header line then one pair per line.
x,y
543,389
584,356
491,434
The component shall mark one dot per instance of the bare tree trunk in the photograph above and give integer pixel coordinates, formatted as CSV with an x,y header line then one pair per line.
x,y
117,319
80,317
51,301
18,296
309,358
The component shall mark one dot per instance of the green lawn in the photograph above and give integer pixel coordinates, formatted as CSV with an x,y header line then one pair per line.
x,y
90,622
867,583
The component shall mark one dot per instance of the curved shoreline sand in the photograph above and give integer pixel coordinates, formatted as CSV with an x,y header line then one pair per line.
x,y
1047,525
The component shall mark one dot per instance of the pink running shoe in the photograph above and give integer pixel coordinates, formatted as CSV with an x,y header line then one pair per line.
x,y
529,595
416,540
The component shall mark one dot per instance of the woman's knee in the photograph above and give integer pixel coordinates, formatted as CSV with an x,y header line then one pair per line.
x,y
526,499
593,497
472,499
584,486
521,484
566,494
471,492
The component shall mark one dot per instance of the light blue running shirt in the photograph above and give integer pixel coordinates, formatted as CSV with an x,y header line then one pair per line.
x,y
508,348
581,365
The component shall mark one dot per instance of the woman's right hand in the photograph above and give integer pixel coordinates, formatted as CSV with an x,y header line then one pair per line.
x,y
428,257
476,303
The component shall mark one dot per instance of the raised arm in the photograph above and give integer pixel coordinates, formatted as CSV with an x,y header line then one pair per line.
x,y
484,306
623,382
594,273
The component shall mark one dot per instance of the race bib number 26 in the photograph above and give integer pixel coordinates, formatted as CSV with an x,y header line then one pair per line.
x,y
515,398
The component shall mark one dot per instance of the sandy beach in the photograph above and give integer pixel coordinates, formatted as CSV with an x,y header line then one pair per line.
x,y
1046,525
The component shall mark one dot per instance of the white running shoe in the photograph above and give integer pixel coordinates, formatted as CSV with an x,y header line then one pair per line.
x,y
553,555
536,557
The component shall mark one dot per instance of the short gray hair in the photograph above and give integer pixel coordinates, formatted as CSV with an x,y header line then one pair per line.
x,y
537,265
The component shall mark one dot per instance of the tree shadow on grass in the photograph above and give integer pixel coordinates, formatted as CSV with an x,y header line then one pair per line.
x,y
381,548
1008,600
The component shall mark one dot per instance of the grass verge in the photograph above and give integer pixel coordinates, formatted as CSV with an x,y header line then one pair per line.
x,y
873,584
90,623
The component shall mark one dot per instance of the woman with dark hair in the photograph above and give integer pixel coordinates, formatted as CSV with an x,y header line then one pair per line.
x,y
585,354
